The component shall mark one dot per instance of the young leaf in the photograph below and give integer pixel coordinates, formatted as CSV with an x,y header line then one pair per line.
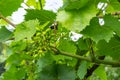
x,y
26,30
97,32
4,34
7,7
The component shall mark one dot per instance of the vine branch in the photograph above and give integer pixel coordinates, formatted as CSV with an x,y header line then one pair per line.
x,y
9,22
96,61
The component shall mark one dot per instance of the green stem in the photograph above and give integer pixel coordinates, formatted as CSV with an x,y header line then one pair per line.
x,y
97,61
41,4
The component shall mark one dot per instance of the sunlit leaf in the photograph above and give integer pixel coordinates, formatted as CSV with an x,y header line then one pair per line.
x,y
7,7
35,3
67,46
14,73
26,30
74,4
76,20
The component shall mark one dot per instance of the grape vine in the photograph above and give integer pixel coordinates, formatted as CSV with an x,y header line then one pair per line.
x,y
41,47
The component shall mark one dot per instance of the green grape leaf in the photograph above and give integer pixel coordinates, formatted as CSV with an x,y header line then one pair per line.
x,y
14,59
97,32
26,30
109,49
67,46
66,72
115,4
35,3
5,34
82,70
44,61
14,73
4,50
18,46
1,47
76,20
82,44
100,71
74,4
42,15
7,7
48,73
113,23
17,58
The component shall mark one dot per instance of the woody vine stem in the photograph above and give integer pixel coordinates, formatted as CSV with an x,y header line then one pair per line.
x,y
8,21
97,61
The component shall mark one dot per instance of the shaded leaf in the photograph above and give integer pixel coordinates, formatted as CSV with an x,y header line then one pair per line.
x,y
112,23
100,71
97,32
82,70
48,73
66,72
82,44
5,34
44,61
42,15
109,49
